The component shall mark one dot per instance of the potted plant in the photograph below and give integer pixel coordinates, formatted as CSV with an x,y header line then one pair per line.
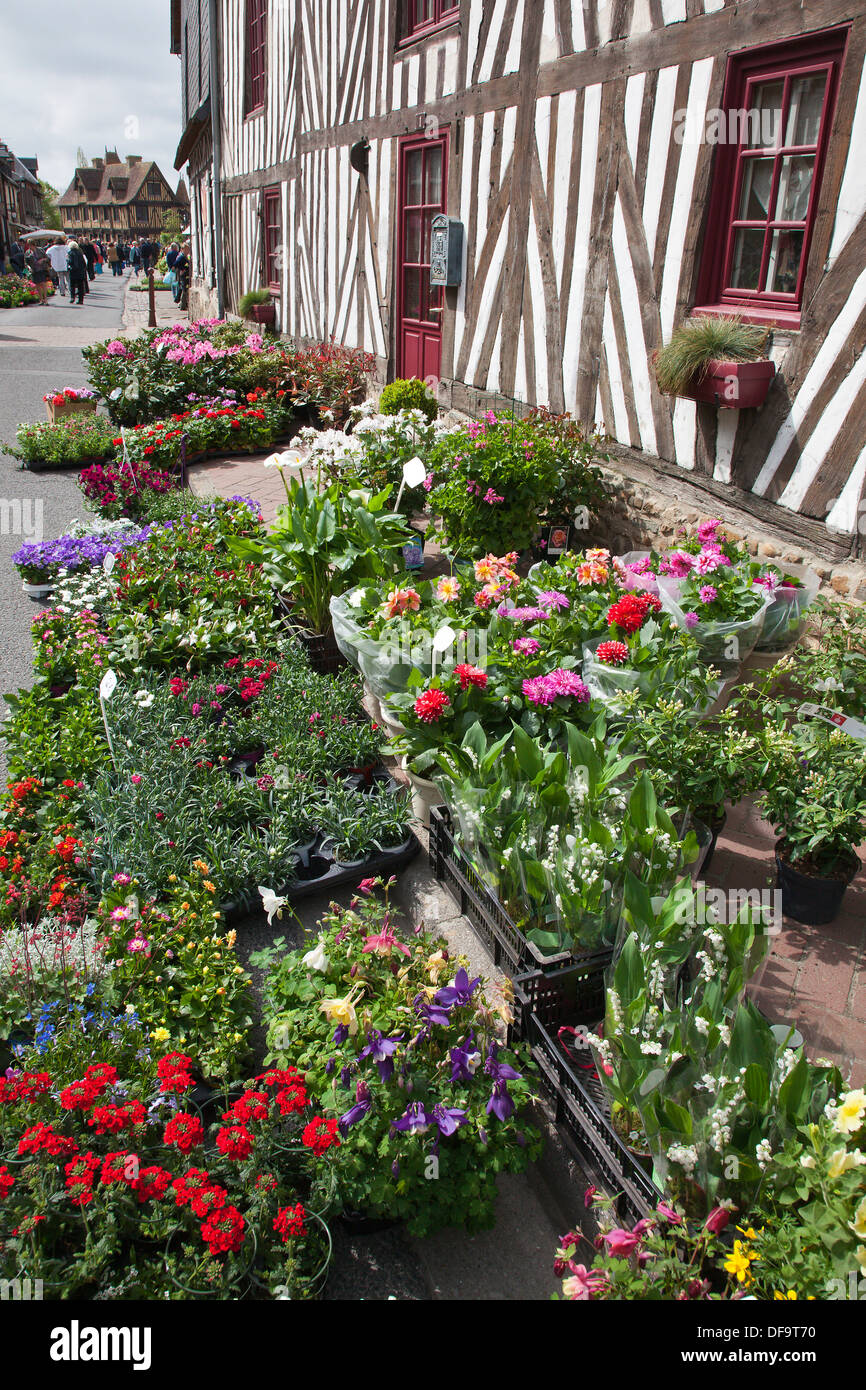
x,y
71,400
258,306
815,798
718,360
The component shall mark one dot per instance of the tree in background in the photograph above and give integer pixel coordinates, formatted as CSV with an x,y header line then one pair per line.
x,y
50,210
171,227
81,160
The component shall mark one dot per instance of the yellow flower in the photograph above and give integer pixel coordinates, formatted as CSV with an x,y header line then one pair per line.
x,y
160,1035
435,965
841,1160
850,1112
792,1293
172,878
231,938
739,1262
858,1225
860,1257
342,1011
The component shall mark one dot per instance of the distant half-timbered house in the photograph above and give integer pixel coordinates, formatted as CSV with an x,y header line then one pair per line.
x,y
616,167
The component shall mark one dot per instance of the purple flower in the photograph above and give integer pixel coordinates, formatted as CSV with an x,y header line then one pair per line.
x,y
692,619
552,598
415,1119
500,1103
464,1063
500,1071
341,1033
460,990
524,615
356,1112
449,1119
382,1052
543,690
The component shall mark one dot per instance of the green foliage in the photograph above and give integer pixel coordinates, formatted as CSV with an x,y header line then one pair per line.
x,y
246,301
410,394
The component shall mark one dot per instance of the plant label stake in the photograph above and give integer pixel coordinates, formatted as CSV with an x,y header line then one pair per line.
x,y
442,640
126,459
108,563
414,474
107,687
852,727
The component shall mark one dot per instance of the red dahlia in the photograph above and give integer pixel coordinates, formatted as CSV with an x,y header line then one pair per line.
x,y
470,675
430,706
612,653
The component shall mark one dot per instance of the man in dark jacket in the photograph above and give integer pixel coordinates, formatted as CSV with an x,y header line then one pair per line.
x,y
89,251
16,257
76,264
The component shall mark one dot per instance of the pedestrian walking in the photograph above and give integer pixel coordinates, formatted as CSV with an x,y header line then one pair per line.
x,y
40,273
113,259
77,267
135,258
90,256
17,258
57,255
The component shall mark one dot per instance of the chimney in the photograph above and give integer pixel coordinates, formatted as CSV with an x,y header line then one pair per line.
x,y
133,159
97,162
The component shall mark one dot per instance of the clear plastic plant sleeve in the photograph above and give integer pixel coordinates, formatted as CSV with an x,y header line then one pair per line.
x,y
784,617
724,645
606,683
385,666
646,582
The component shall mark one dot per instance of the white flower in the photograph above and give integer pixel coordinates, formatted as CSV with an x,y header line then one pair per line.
x,y
763,1153
272,903
316,959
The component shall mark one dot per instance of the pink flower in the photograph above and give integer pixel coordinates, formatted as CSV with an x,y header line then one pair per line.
x,y
583,1283
692,619
708,593
383,943
717,1220
367,885
707,531
679,563
136,778
710,560
621,1243
527,646
669,1214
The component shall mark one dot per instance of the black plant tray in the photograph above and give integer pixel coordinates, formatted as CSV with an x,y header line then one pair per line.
x,y
380,865
41,466
491,923
542,1005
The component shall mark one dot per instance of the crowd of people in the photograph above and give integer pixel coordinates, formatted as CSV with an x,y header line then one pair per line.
x,y
71,265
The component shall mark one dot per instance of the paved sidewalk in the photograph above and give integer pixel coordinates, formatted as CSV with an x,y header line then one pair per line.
x,y
814,977
136,308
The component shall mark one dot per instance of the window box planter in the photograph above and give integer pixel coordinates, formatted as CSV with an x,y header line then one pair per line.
x,y
262,313
61,412
734,385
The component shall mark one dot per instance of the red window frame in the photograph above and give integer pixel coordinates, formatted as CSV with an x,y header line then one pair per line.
x,y
256,58
424,16
784,63
272,235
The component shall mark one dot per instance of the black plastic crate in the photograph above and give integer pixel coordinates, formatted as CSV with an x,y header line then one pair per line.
x,y
543,1005
492,924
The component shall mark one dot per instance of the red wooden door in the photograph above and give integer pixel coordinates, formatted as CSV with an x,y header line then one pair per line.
x,y
423,174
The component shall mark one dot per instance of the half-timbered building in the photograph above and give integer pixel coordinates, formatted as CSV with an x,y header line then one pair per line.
x,y
615,167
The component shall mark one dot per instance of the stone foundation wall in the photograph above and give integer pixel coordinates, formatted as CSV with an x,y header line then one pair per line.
x,y
646,508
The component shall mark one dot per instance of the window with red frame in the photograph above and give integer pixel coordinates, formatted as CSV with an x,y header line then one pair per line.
x,y
421,15
257,54
778,109
273,237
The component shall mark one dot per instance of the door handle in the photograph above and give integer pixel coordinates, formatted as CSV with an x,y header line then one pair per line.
x,y
437,311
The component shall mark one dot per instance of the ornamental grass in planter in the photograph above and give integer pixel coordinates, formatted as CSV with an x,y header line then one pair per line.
x,y
718,360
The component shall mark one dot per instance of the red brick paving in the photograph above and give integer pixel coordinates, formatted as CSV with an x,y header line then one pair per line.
x,y
814,977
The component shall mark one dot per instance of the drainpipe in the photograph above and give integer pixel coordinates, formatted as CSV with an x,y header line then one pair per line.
x,y
216,141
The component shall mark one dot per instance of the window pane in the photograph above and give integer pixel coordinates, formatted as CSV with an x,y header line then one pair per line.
x,y
433,193
411,293
757,187
414,174
748,249
765,115
412,249
804,111
795,185
786,250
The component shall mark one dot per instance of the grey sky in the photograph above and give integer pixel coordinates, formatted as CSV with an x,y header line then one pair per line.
x,y
95,74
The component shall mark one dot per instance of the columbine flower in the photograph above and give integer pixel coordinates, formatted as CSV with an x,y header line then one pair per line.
x,y
381,1050
583,1283
414,1120
342,1011
621,1243
383,943
500,1103
459,992
272,904
316,959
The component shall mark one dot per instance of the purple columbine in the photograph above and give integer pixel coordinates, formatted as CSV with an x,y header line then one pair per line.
x,y
459,992
465,1062
500,1071
415,1119
382,1052
449,1119
341,1033
355,1113
500,1103
431,1013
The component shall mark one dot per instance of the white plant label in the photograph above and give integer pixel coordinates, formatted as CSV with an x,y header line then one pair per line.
x,y
414,472
109,562
853,727
107,685
443,639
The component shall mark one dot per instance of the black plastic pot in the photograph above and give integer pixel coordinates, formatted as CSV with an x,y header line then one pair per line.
x,y
808,899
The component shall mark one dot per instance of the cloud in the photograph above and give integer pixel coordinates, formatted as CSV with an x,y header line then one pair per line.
x,y
99,76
